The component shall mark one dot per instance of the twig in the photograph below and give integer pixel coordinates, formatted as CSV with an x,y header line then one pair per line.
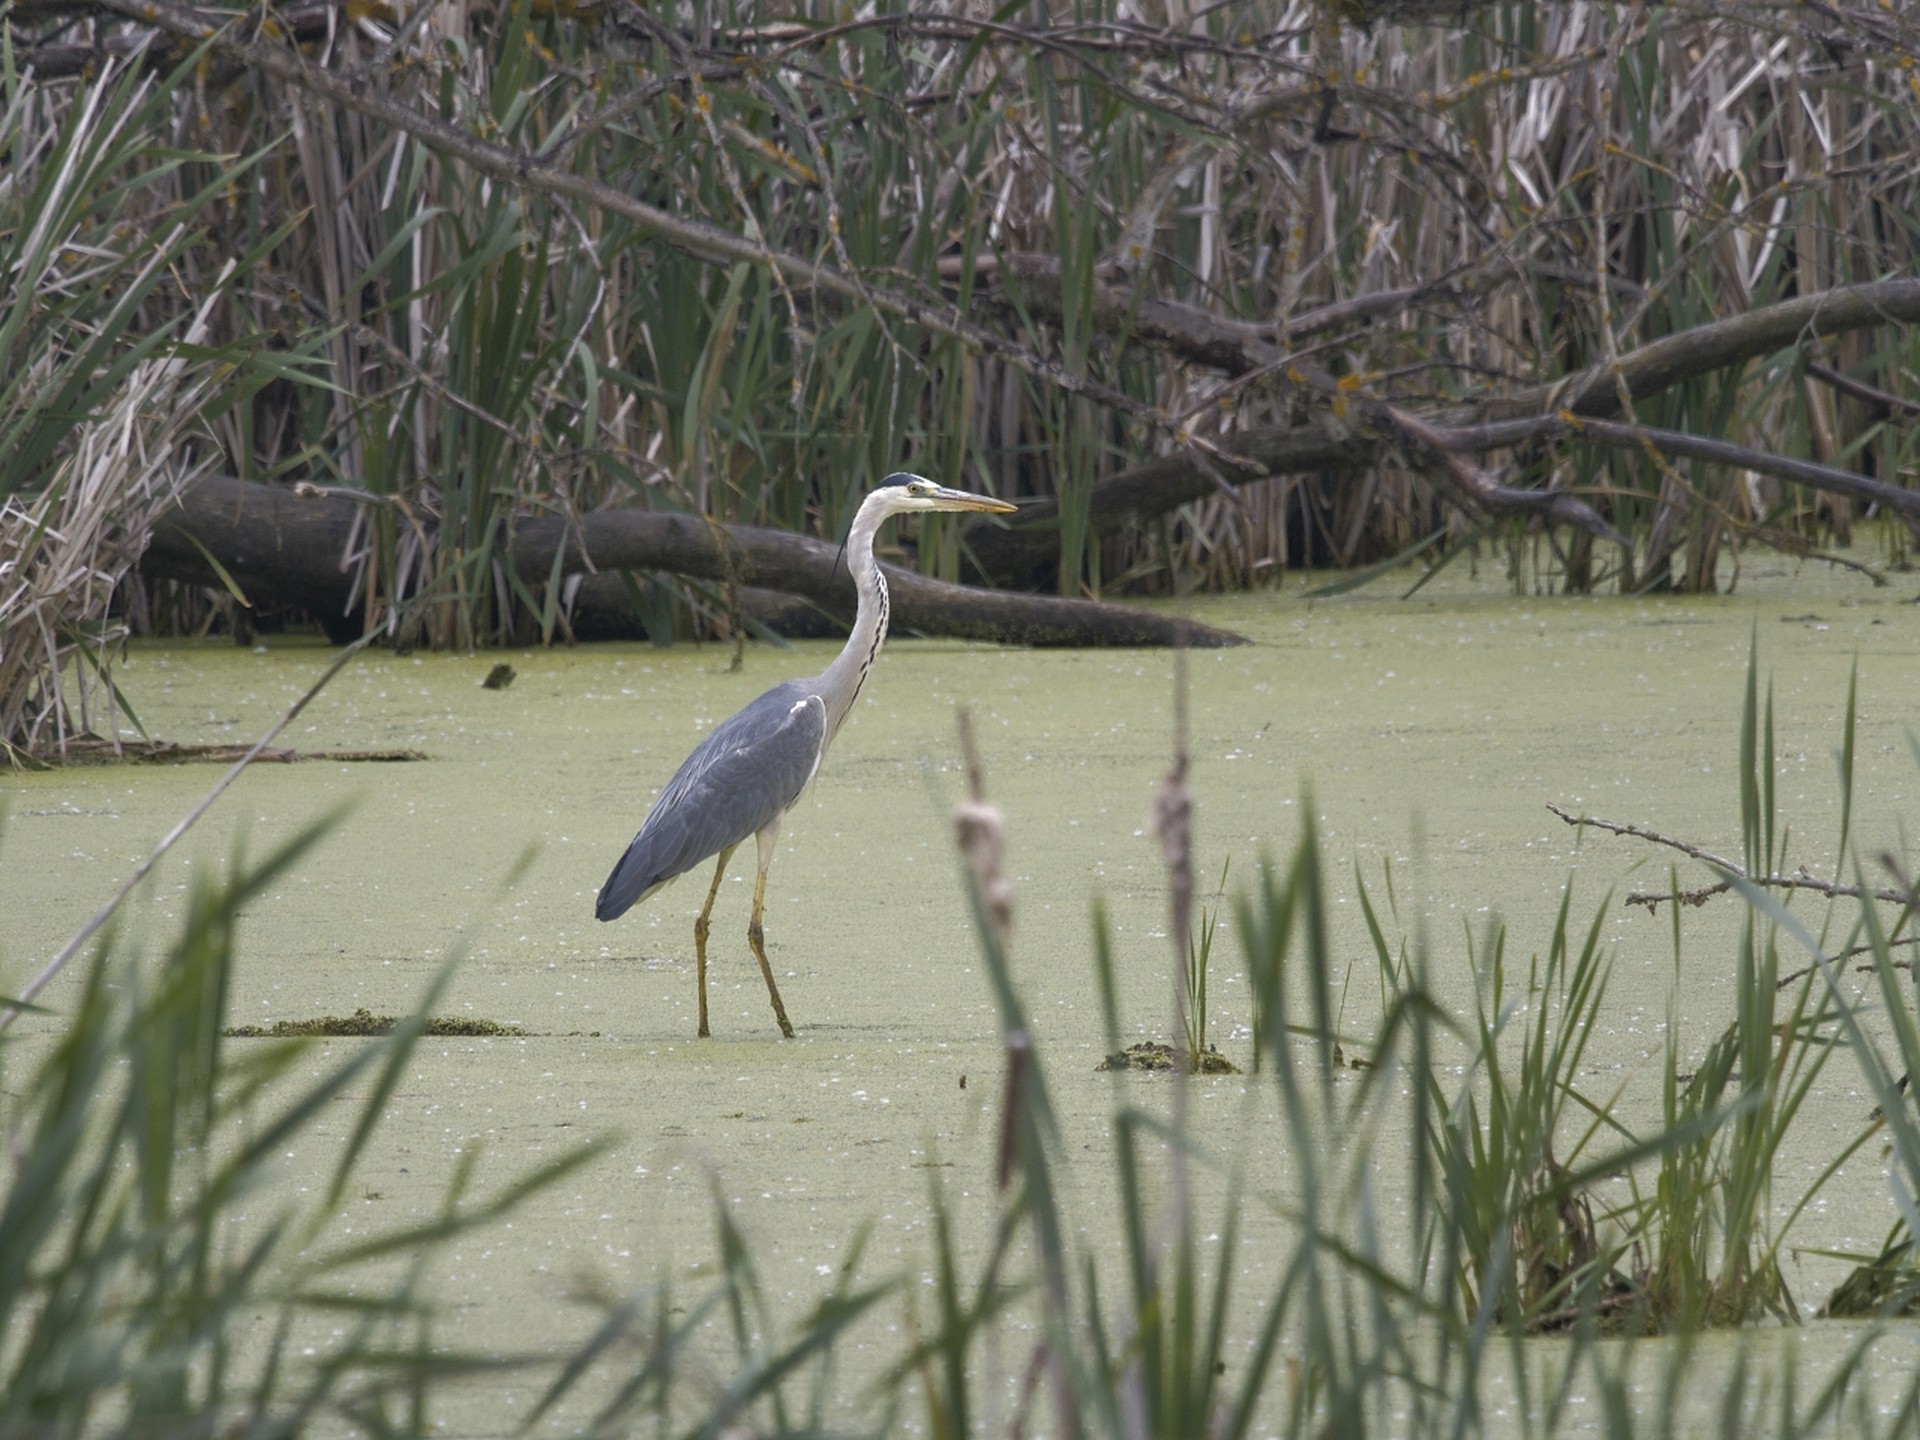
x,y
1906,890
1479,489
1801,880
1221,342
1620,436
1887,404
1693,898
1806,970
1317,443
1248,352
101,916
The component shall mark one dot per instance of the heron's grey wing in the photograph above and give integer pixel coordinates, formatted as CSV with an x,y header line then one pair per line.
x,y
745,773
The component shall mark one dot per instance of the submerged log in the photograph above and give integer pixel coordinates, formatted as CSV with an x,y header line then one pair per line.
x,y
280,546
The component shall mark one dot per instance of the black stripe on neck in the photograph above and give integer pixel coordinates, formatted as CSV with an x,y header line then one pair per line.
x,y
884,606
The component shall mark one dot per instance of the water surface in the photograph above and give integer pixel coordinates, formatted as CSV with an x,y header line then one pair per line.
x,y
1428,735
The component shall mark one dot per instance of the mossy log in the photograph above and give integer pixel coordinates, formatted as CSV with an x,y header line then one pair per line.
x,y
281,546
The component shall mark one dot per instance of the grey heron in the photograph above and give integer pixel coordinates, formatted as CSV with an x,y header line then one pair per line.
x,y
744,777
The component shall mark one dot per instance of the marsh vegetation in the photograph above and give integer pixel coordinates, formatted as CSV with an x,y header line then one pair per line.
x,y
1612,293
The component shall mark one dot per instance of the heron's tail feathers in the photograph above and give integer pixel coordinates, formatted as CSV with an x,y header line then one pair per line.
x,y
632,881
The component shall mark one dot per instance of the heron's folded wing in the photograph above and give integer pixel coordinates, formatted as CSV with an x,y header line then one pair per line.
x,y
745,773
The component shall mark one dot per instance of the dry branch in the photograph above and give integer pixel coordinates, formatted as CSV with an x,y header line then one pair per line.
x,y
1888,406
1716,345
1240,348
1031,282
1852,952
1615,435
283,548
1135,497
1579,404
1800,880
49,61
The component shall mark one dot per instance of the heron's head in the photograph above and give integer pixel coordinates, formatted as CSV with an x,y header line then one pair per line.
x,y
901,492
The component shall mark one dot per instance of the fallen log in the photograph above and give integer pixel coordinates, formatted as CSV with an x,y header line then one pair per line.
x,y
283,547
1320,444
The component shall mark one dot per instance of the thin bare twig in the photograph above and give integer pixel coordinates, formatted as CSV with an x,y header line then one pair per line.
x,y
1802,880
1617,435
1881,400
1806,970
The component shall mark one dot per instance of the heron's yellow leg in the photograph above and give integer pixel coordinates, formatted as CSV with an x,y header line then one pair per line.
x,y
756,936
700,934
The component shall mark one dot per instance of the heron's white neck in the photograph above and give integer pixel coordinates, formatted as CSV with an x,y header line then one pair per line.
x,y
840,682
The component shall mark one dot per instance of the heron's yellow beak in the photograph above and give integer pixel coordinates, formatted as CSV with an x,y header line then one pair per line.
x,y
943,498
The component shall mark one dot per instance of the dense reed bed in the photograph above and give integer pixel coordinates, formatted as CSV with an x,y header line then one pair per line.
x,y
1216,291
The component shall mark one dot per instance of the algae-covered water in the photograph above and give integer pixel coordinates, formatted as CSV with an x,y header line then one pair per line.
x,y
1428,735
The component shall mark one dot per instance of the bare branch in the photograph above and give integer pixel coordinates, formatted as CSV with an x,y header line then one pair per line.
x,y
1668,361
1615,435
1320,444
1886,404
1849,954
1801,880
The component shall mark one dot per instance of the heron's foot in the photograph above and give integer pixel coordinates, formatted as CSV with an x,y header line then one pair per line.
x,y
773,993
700,958
757,939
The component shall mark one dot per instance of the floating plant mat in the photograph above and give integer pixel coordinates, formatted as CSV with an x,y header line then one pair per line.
x,y
1153,1055
163,752
365,1022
